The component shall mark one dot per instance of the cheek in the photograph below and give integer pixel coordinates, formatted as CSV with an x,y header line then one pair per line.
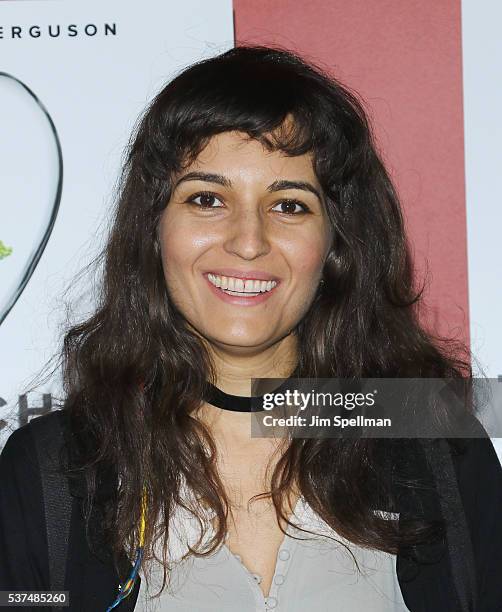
x,y
180,245
305,257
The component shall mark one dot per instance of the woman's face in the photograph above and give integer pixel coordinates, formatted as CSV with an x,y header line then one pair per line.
x,y
249,223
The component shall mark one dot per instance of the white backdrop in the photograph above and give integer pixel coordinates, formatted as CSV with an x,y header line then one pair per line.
x,y
94,75
482,57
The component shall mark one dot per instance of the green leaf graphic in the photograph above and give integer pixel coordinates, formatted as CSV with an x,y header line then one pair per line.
x,y
4,250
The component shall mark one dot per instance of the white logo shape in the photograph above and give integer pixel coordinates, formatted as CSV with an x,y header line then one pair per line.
x,y
31,176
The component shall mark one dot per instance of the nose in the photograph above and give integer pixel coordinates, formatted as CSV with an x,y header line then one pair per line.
x,y
247,235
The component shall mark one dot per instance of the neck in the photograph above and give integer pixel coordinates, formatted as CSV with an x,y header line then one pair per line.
x,y
235,368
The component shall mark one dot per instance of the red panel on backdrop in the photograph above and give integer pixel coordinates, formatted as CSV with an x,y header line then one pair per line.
x,y
404,58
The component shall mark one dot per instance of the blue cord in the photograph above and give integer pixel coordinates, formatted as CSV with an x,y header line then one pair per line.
x,y
126,588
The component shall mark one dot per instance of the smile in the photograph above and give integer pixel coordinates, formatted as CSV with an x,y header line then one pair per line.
x,y
239,286
243,292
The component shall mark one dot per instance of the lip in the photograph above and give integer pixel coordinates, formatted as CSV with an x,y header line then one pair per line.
x,y
237,300
244,274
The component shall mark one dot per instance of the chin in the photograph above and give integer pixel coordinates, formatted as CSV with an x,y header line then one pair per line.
x,y
237,342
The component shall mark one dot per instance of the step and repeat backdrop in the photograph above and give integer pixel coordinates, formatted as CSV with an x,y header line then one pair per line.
x,y
74,77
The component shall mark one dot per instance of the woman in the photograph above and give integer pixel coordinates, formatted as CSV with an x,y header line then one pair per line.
x,y
256,235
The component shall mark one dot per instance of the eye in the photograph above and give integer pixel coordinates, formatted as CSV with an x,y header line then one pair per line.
x,y
206,200
290,204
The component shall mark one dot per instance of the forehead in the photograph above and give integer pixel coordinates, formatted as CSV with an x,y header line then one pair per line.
x,y
236,152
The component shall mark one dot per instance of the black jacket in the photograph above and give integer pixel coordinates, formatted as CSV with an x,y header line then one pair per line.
x,y
92,582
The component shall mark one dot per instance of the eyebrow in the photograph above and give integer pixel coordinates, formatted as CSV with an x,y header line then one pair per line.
x,y
225,182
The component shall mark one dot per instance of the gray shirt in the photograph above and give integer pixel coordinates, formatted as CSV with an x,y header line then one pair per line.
x,y
315,573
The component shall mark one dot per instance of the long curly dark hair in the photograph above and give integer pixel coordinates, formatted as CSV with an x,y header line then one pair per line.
x,y
363,321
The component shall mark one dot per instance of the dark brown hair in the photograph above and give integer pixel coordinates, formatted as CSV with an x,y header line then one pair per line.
x,y
363,321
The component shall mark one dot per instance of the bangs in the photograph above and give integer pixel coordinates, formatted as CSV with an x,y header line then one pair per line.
x,y
286,134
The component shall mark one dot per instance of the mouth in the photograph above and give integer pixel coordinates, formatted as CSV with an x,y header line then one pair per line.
x,y
240,290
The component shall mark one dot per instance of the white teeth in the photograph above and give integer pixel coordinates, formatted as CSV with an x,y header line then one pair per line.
x,y
238,285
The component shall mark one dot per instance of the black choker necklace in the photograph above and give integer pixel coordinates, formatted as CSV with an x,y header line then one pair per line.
x,y
237,403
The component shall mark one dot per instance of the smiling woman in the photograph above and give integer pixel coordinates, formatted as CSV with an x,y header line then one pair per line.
x,y
256,235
